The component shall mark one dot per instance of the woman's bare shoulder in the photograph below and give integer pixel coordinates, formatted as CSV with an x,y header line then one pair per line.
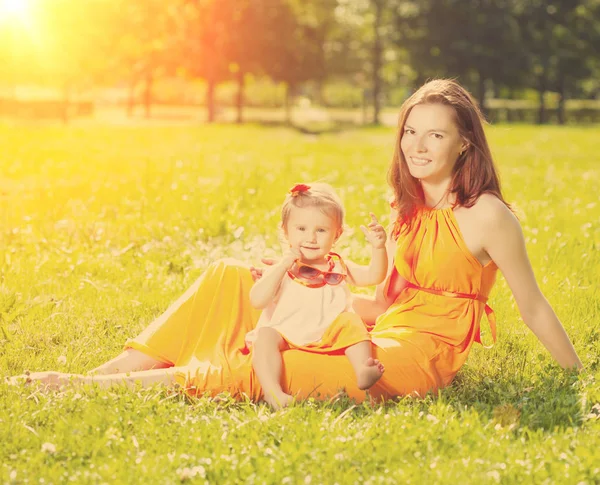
x,y
489,210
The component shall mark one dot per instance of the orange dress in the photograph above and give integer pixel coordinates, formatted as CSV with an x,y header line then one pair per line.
x,y
422,339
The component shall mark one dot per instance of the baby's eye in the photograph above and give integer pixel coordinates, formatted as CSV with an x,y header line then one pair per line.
x,y
321,230
300,228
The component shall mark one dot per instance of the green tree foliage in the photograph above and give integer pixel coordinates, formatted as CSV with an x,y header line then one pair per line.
x,y
561,39
145,44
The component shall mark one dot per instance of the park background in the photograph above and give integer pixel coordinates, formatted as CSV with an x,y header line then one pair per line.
x,y
142,140
534,61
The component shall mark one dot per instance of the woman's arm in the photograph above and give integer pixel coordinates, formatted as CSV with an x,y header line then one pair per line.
x,y
504,242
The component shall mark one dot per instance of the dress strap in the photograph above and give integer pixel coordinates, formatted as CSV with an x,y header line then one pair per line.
x,y
491,316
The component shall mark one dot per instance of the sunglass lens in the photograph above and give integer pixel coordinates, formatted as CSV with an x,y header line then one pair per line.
x,y
334,278
308,272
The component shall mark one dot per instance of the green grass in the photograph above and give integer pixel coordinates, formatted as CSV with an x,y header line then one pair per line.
x,y
102,227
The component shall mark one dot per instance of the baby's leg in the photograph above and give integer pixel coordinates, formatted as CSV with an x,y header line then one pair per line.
x,y
266,360
368,370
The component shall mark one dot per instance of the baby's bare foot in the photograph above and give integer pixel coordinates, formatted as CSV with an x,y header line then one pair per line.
x,y
278,400
370,373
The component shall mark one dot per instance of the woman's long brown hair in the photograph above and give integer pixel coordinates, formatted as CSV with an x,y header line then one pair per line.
x,y
474,172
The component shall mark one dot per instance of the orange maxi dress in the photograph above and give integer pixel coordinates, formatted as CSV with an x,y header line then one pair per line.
x,y
422,339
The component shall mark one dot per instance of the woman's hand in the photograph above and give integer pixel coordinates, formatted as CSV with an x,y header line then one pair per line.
x,y
375,233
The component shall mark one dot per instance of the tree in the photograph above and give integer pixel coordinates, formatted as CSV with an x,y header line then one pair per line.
x,y
145,43
365,43
560,38
243,42
292,52
473,40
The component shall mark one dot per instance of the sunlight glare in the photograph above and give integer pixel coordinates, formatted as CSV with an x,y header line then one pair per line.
x,y
13,8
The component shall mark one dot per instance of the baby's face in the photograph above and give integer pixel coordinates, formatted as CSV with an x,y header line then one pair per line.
x,y
312,232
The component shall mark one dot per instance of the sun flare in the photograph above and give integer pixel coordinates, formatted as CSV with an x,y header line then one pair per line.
x,y
14,9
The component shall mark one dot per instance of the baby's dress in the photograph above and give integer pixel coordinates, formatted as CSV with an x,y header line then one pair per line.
x,y
308,317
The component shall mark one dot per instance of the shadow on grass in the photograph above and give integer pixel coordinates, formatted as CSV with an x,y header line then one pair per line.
x,y
547,401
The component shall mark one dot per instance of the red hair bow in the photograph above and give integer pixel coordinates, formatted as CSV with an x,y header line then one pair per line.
x,y
298,189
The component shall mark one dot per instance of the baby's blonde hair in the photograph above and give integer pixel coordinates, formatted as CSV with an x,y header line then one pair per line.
x,y
320,195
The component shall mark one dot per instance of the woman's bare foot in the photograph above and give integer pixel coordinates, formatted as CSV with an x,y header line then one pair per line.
x,y
370,373
278,399
47,380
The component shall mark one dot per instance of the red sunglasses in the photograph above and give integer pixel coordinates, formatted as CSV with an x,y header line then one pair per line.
x,y
328,277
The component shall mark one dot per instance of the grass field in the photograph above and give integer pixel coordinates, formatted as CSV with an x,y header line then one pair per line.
x,y
101,228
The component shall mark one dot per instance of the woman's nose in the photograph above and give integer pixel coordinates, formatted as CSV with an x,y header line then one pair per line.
x,y
421,146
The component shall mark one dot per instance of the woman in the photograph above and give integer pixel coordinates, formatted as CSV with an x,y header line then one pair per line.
x,y
452,230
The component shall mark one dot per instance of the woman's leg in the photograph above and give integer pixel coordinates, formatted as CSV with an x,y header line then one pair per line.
x,y
266,360
130,360
58,380
206,323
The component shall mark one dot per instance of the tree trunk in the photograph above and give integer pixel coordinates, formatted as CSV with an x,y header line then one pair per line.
x,y
541,92
131,98
240,95
320,94
510,115
561,98
542,108
481,93
210,101
289,96
149,80
65,103
365,104
377,61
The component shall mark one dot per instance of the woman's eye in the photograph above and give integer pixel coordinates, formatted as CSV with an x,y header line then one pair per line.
x,y
438,136
408,131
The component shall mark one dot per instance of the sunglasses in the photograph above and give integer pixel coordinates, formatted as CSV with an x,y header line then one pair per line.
x,y
328,277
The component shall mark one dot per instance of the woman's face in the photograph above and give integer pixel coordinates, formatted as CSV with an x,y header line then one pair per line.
x,y
431,142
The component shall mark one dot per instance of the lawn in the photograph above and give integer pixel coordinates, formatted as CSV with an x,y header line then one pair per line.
x,y
102,227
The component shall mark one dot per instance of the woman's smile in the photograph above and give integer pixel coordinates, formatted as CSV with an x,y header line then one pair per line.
x,y
420,161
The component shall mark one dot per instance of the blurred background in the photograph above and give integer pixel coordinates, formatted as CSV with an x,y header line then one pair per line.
x,y
294,61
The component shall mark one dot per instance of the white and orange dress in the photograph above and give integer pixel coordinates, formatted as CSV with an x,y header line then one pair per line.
x,y
314,319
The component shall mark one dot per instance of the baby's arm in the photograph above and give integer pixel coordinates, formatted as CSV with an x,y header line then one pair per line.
x,y
265,289
375,272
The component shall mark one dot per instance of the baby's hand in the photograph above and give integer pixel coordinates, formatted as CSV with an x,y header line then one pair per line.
x,y
375,233
257,272
290,256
